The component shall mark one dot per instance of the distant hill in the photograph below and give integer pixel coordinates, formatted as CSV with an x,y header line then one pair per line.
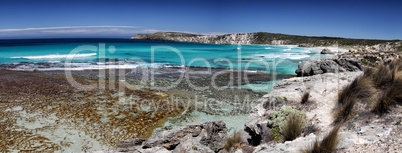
x,y
261,38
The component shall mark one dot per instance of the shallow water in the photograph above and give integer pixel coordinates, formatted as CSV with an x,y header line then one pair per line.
x,y
133,53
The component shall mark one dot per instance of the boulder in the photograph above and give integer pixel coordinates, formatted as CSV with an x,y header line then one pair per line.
x,y
326,51
328,65
190,145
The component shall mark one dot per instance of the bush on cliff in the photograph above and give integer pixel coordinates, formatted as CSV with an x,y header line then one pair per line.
x,y
289,120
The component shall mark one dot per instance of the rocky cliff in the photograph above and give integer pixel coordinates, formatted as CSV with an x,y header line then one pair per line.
x,y
270,39
237,38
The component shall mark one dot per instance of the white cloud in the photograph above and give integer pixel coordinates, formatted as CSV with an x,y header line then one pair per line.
x,y
66,27
84,31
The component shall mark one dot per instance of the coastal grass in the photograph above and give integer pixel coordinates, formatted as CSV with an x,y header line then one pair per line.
x,y
388,78
380,86
391,96
232,140
293,127
360,88
305,97
327,145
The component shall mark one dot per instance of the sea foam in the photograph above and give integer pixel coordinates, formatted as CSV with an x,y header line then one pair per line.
x,y
56,56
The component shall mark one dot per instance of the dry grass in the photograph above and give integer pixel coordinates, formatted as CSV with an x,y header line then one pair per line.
x,y
383,82
388,79
391,96
305,97
232,140
327,145
384,76
360,88
292,128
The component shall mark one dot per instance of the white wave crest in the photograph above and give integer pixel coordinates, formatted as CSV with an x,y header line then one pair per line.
x,y
285,56
56,56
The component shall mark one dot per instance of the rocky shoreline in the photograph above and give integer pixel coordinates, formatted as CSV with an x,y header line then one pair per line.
x,y
323,79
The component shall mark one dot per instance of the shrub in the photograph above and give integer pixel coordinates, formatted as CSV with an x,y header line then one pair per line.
x,y
233,139
278,118
305,97
327,145
293,127
276,134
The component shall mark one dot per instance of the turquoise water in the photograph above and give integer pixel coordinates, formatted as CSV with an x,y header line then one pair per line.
x,y
133,53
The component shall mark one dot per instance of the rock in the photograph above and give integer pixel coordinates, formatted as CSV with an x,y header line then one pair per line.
x,y
288,146
190,145
328,65
235,38
211,135
256,123
128,145
326,51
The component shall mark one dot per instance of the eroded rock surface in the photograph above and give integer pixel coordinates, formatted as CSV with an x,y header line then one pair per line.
x,y
204,137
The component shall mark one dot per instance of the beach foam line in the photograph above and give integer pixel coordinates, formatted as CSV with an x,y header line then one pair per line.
x,y
56,56
291,56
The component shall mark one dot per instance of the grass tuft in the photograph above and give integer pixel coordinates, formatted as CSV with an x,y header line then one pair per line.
x,y
360,88
391,96
327,145
293,127
233,139
305,97
384,76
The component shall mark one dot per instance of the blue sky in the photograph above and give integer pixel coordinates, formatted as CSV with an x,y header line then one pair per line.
x,y
123,19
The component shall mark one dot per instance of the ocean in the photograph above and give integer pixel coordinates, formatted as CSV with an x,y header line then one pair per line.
x,y
116,119
84,54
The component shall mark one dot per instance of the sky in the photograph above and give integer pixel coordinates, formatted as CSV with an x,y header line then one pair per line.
x,y
20,19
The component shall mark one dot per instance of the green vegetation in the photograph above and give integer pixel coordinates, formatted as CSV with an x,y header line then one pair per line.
x,y
264,38
327,145
276,134
278,118
364,62
233,139
287,122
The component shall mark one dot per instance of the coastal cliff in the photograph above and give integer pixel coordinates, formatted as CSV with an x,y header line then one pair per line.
x,y
237,38
271,39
